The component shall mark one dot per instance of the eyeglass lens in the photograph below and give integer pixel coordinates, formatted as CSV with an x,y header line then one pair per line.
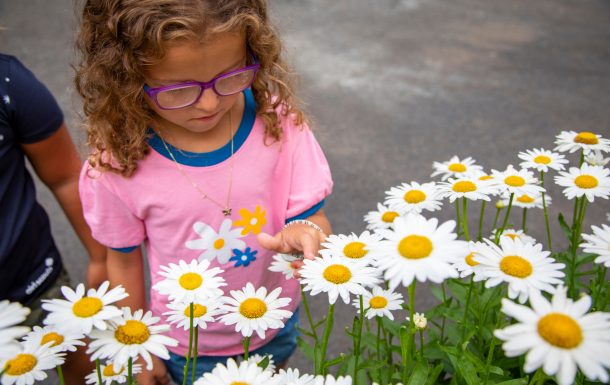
x,y
224,86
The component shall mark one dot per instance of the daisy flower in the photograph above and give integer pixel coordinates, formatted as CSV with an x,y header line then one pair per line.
x,y
336,276
109,376
380,219
596,158
493,184
29,364
80,312
354,247
129,337
379,302
598,243
193,282
253,310
528,202
417,248
419,320
330,380
542,160
587,141
283,263
245,373
413,198
466,264
455,167
590,181
11,314
203,312
559,336
515,234
58,341
257,359
466,187
517,182
292,377
219,244
524,266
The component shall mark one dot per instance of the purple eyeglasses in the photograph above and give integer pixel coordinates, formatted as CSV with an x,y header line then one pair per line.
x,y
183,95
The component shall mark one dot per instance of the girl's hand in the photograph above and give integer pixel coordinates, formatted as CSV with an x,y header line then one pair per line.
x,y
157,376
294,238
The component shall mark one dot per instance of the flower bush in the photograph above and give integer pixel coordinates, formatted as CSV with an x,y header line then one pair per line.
x,y
509,309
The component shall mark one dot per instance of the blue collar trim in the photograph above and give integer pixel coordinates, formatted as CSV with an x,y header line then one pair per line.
x,y
203,159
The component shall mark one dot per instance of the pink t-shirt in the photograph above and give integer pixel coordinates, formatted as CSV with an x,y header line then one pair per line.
x,y
159,206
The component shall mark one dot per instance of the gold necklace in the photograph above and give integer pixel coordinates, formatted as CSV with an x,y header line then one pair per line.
x,y
226,210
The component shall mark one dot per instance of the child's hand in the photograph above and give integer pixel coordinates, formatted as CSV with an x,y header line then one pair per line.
x,y
157,376
297,237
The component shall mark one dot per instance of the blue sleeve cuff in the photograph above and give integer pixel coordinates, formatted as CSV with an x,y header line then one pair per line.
x,y
307,213
124,249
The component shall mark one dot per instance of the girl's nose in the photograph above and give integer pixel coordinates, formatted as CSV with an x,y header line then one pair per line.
x,y
208,101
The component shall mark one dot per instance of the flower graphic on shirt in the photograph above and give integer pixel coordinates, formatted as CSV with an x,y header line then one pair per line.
x,y
243,258
219,244
251,221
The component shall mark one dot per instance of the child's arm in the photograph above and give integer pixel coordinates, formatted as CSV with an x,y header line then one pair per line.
x,y
299,237
127,269
58,165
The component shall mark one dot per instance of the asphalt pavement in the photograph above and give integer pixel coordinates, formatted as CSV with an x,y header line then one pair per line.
x,y
392,86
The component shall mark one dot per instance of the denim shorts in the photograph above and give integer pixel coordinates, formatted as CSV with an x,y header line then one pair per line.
x,y
281,347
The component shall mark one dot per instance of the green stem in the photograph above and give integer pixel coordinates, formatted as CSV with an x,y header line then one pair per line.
x,y
599,285
378,342
410,341
580,209
195,346
246,342
470,288
386,345
523,222
98,370
421,342
60,375
465,218
501,230
481,215
457,213
443,318
357,341
498,210
490,353
538,378
185,370
309,317
546,214
320,369
130,380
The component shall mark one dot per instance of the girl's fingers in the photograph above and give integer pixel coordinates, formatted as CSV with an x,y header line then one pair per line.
x,y
309,245
275,243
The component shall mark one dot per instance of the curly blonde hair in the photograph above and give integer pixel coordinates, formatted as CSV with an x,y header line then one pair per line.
x,y
118,38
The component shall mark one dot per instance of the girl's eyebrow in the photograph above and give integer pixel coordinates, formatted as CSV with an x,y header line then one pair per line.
x,y
234,66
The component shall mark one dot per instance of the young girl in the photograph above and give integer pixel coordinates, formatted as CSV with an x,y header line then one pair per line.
x,y
198,151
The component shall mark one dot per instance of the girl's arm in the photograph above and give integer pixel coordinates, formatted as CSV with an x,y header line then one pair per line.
x,y
127,269
57,164
299,237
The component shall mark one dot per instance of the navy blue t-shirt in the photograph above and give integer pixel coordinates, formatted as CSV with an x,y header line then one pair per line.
x,y
29,259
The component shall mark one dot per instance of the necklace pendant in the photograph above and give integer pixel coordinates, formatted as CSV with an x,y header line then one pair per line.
x,y
226,211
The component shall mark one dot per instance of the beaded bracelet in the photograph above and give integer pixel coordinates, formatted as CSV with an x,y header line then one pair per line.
x,y
303,222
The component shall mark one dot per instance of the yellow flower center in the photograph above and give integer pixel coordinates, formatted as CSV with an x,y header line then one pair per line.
x,y
239,383
542,159
337,274
464,186
253,308
586,181
190,281
516,266
109,371
486,177
389,216
87,307
57,339
415,247
198,310
219,243
457,167
510,235
586,138
378,302
21,364
355,250
514,181
525,199
470,261
414,196
133,332
560,330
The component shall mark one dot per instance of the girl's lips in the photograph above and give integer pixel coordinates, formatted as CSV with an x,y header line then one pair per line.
x,y
209,117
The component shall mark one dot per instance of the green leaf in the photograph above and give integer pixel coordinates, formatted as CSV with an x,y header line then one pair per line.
x,y
564,226
404,340
433,375
464,368
305,348
518,381
335,361
585,258
264,362
419,374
